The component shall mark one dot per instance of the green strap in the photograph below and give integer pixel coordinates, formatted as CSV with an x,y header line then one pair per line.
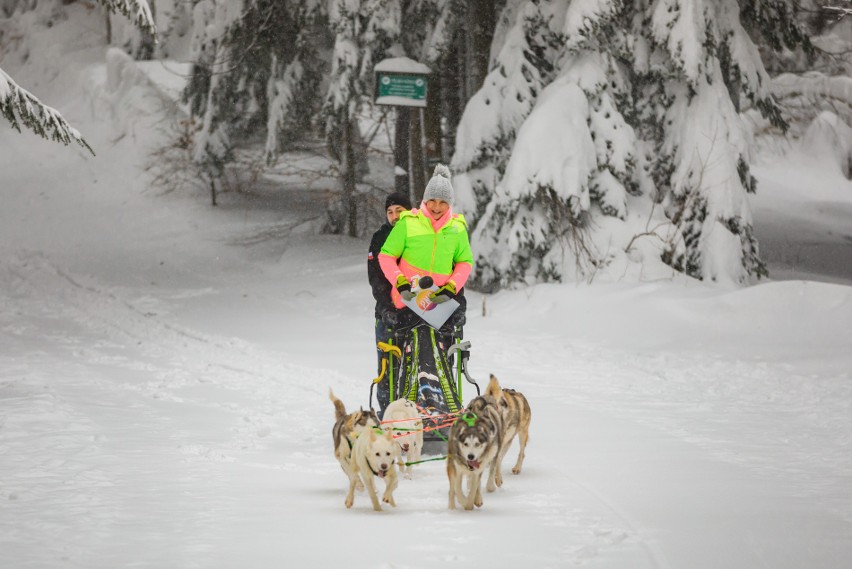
x,y
425,460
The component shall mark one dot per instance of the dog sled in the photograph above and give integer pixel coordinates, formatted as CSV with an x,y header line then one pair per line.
x,y
426,362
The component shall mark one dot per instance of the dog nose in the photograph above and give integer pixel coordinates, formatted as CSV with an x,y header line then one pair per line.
x,y
384,466
405,447
471,456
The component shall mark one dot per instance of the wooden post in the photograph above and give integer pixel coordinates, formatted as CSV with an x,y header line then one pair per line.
x,y
402,183
415,156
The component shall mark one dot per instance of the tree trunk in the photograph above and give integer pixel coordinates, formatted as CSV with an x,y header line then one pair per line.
x,y
400,152
483,17
432,128
415,157
349,177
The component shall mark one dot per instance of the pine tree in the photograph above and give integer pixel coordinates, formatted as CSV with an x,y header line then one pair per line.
x,y
256,71
363,31
488,128
700,63
573,151
637,98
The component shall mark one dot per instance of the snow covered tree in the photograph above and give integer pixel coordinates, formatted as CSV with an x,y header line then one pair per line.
x,y
20,107
558,146
256,72
488,128
591,101
698,63
363,31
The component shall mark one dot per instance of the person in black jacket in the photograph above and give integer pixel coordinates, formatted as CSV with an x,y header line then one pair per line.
x,y
387,314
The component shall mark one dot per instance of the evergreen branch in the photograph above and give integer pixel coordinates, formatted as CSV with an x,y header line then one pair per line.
x,y
841,11
19,106
137,11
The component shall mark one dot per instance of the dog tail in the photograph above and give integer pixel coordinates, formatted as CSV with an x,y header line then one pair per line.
x,y
494,390
339,409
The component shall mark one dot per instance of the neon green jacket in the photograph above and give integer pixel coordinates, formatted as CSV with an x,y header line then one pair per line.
x,y
444,254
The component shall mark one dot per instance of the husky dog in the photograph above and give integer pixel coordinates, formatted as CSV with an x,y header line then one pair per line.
x,y
473,445
402,416
374,454
516,415
346,429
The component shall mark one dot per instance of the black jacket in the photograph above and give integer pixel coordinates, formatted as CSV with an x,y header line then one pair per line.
x,y
380,285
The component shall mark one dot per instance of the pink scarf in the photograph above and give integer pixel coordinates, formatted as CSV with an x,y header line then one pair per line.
x,y
437,224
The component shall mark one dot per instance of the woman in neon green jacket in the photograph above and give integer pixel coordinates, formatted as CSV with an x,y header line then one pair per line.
x,y
429,241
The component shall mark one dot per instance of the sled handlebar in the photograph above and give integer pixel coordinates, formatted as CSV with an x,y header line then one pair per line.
x,y
464,348
389,349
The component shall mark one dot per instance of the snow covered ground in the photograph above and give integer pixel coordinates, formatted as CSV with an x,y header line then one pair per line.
x,y
164,369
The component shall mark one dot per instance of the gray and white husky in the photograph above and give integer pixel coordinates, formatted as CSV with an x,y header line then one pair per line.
x,y
473,445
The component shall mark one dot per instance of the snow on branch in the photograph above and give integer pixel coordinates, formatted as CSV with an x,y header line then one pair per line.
x,y
840,11
20,106
137,11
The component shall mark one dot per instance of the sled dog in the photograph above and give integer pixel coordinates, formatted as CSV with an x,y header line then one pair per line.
x,y
402,418
374,454
473,445
516,415
347,427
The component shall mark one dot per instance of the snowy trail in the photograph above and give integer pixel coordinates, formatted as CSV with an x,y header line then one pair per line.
x,y
131,417
129,424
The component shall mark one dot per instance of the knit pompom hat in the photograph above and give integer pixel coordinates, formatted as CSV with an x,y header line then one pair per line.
x,y
439,187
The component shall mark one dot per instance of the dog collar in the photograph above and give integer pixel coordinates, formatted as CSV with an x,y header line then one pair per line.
x,y
370,466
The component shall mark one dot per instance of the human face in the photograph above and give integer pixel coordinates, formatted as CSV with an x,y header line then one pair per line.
x,y
437,207
393,213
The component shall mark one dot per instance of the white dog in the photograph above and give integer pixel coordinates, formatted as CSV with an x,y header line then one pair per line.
x,y
374,455
402,418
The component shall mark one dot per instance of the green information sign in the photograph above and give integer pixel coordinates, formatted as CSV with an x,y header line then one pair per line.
x,y
401,89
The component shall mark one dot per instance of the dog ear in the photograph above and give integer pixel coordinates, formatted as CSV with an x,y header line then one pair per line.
x,y
372,434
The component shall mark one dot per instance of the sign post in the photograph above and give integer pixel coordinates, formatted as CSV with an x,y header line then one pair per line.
x,y
403,82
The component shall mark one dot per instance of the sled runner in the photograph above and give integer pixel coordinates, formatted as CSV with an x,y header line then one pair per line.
x,y
425,363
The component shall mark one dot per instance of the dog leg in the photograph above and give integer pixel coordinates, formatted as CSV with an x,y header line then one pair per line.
x,y
413,456
523,437
371,491
391,482
492,474
451,475
474,494
498,479
350,496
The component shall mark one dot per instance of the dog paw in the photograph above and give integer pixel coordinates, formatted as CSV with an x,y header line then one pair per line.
x,y
516,470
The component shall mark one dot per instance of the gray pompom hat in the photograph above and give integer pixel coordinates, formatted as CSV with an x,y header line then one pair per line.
x,y
439,187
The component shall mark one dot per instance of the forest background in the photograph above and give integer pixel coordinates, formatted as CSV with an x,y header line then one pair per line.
x,y
588,138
